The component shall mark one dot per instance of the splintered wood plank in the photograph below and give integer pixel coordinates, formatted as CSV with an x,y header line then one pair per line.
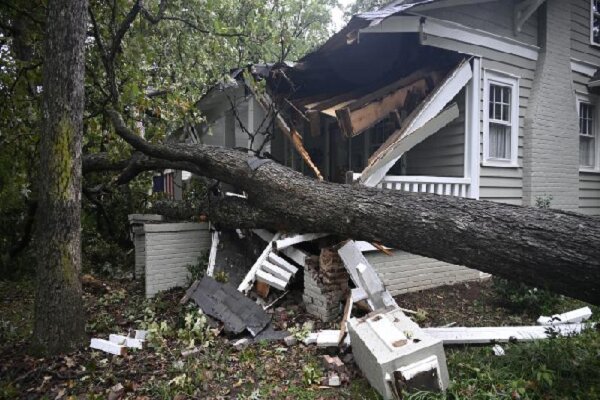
x,y
269,107
346,315
355,120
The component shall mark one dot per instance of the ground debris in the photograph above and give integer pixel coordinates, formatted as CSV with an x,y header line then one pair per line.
x,y
225,303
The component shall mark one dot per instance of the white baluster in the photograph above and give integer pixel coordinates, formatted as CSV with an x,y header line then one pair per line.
x,y
456,190
447,189
463,190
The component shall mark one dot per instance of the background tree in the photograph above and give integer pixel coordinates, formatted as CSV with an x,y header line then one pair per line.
x,y
59,323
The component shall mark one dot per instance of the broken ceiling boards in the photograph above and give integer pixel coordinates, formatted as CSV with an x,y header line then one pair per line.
x,y
480,335
357,116
423,122
223,302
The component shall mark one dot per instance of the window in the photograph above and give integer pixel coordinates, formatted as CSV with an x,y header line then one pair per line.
x,y
588,142
501,120
595,22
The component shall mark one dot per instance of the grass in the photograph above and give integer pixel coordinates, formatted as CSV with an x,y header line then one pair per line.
x,y
558,368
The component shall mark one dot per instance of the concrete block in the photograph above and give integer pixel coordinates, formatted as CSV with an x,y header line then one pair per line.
x,y
384,343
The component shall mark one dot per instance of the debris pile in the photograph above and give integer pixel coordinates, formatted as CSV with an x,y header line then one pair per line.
x,y
393,352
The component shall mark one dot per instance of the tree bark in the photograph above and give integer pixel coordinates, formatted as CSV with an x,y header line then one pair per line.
x,y
59,324
546,248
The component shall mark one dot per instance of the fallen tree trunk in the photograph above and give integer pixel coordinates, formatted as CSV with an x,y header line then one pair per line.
x,y
550,249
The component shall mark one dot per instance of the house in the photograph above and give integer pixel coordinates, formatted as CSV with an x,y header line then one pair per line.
x,y
490,100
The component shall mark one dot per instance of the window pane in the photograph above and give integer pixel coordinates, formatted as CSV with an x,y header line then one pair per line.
x,y
499,136
505,113
498,111
586,152
586,119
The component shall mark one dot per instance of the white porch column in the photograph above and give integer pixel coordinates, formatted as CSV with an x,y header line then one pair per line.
x,y
472,129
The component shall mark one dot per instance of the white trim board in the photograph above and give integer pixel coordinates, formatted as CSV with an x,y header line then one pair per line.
x,y
481,335
583,67
452,30
449,3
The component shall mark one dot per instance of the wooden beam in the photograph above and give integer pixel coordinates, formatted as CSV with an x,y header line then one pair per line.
x,y
373,108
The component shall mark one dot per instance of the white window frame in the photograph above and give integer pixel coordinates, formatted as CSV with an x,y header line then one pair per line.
x,y
491,77
593,100
592,16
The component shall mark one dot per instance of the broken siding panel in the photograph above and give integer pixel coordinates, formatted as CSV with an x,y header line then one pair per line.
x,y
494,17
443,153
405,272
581,47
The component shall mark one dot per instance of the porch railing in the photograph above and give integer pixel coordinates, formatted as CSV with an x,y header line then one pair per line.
x,y
448,186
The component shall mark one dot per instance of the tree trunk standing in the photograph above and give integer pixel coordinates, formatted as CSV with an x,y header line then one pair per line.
x,y
545,248
59,324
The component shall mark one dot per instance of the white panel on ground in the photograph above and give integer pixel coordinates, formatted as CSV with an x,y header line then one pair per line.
x,y
579,315
461,335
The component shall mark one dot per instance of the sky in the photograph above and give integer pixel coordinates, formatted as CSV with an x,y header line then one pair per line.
x,y
337,15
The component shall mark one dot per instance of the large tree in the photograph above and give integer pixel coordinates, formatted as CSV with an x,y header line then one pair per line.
x,y
547,248
59,316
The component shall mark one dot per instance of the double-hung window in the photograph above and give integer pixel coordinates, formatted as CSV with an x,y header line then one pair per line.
x,y
501,120
588,135
595,22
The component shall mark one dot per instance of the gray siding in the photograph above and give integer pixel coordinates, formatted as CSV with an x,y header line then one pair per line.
x,y
505,184
589,183
589,193
404,272
494,17
581,47
169,250
442,154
